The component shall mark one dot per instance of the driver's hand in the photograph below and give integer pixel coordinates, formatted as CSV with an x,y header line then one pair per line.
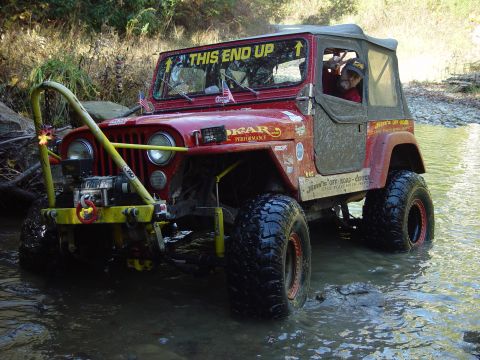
x,y
334,63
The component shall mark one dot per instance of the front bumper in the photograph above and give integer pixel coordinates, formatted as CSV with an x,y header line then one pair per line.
x,y
106,215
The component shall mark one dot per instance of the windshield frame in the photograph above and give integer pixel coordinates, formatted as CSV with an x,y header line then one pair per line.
x,y
160,75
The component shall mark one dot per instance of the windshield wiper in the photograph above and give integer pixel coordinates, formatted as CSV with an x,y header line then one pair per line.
x,y
179,92
244,87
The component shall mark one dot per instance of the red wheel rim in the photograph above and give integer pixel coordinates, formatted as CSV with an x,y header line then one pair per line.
x,y
417,222
293,266
92,217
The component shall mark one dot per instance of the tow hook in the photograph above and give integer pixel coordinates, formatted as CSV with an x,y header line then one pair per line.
x,y
86,210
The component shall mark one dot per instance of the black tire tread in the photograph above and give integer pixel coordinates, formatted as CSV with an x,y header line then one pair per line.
x,y
381,224
255,277
39,246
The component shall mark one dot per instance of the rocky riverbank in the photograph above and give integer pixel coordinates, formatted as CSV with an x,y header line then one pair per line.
x,y
434,104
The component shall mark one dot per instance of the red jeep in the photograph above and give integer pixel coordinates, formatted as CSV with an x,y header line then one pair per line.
x,y
238,148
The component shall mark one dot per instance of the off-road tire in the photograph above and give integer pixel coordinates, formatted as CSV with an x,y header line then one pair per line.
x,y
400,216
39,245
268,258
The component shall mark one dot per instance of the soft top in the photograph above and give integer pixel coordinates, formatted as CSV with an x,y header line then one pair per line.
x,y
343,30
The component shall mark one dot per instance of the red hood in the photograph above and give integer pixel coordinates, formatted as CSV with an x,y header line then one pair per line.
x,y
241,125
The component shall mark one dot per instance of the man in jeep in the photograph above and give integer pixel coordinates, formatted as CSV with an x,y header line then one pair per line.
x,y
344,85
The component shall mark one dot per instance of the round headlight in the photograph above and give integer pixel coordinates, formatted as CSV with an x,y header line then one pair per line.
x,y
160,157
158,180
80,149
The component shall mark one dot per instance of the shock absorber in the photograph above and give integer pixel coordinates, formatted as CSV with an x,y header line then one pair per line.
x,y
219,229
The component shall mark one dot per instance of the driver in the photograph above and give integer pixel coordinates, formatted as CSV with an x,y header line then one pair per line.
x,y
345,84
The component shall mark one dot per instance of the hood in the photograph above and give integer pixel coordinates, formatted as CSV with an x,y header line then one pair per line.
x,y
241,125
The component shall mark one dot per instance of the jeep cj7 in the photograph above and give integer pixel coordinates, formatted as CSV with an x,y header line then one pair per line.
x,y
239,147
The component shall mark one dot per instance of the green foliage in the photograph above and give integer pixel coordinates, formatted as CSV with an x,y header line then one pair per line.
x,y
66,71
140,24
141,17
118,14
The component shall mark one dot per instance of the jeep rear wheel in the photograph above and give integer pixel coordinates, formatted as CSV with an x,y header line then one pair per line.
x,y
399,216
268,258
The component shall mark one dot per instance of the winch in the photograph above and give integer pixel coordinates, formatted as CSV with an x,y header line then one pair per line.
x,y
101,190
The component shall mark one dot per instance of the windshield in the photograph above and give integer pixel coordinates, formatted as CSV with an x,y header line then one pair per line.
x,y
243,68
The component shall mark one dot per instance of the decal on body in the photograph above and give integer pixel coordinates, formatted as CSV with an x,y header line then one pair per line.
x,y
320,186
253,133
115,122
128,172
299,151
292,116
378,127
232,54
300,130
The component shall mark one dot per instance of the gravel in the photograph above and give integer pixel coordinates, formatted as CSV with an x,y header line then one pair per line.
x,y
433,104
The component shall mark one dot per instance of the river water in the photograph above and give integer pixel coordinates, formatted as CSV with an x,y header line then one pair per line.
x,y
428,308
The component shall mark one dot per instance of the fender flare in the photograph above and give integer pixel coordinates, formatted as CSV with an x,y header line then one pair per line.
x,y
387,144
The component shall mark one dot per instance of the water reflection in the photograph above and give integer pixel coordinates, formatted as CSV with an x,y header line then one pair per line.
x,y
431,298
26,312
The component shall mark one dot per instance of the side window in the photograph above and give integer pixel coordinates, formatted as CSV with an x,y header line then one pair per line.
x,y
343,74
381,82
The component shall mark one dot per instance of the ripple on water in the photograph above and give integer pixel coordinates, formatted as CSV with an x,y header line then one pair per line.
x,y
430,309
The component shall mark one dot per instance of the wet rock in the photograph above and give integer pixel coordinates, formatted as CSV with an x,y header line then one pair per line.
x,y
163,340
354,295
434,105
11,121
100,110
473,337
28,333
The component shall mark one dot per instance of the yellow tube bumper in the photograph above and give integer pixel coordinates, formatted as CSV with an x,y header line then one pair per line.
x,y
109,215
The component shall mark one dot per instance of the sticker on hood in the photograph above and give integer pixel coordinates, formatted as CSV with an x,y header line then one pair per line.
x,y
292,116
120,121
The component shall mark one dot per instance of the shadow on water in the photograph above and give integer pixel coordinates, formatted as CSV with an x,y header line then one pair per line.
x,y
424,305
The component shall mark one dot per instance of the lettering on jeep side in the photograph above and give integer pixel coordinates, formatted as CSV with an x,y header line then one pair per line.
x,y
323,186
270,131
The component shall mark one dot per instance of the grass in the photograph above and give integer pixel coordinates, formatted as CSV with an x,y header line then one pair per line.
x,y
67,71
105,67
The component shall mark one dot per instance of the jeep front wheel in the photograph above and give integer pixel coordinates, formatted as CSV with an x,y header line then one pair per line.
x,y
399,216
39,248
268,258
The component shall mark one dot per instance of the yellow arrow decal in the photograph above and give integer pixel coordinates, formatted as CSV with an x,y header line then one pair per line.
x,y
168,64
298,47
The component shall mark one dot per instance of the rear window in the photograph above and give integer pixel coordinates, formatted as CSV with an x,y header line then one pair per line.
x,y
381,84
